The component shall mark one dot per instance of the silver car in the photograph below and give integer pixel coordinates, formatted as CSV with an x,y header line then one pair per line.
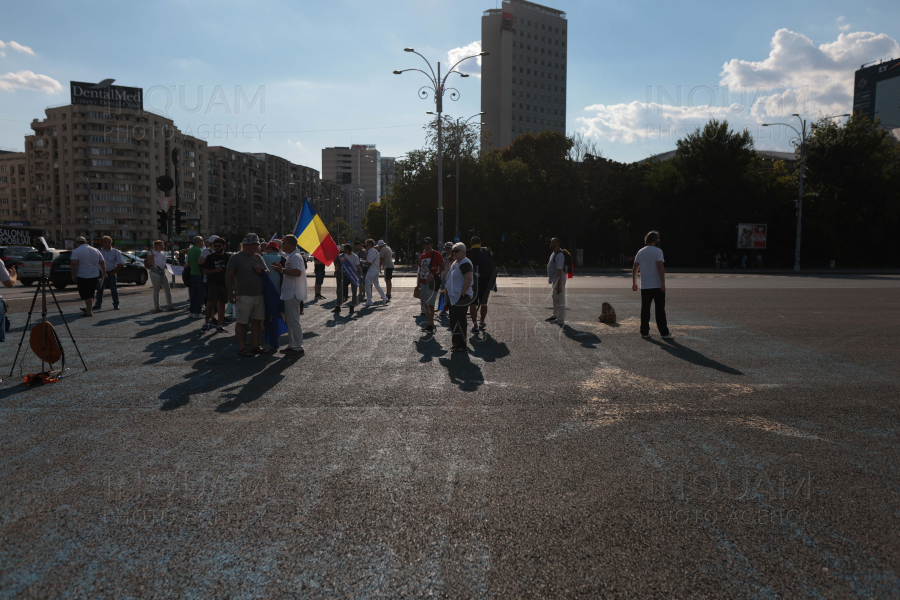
x,y
30,271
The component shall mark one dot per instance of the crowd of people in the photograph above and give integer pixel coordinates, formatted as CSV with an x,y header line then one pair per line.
x,y
225,287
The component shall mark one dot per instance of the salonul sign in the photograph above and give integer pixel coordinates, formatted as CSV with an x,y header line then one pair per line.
x,y
111,96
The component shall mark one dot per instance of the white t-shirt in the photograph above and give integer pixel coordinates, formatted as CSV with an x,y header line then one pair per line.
x,y
647,257
372,257
294,286
4,274
352,259
456,279
111,257
557,263
88,259
387,257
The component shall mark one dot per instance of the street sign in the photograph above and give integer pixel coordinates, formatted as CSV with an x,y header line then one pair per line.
x,y
456,238
164,183
165,203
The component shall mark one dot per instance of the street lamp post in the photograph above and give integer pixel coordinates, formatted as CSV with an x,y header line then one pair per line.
x,y
800,141
438,88
87,180
458,151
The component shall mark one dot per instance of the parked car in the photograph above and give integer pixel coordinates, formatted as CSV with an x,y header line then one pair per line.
x,y
134,271
30,271
13,256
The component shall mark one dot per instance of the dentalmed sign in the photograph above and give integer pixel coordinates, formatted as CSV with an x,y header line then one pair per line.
x,y
110,96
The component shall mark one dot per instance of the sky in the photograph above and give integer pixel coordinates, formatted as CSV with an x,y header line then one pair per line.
x,y
641,75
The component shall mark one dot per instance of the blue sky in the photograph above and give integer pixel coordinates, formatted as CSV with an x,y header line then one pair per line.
x,y
327,66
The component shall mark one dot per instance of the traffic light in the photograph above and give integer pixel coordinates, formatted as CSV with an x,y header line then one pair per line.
x,y
162,221
180,215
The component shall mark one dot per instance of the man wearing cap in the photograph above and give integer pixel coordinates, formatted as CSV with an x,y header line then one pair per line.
x,y
198,290
214,266
386,256
428,280
87,267
114,262
244,285
373,260
293,294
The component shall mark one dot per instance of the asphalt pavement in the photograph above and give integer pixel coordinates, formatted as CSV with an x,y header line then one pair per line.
x,y
754,455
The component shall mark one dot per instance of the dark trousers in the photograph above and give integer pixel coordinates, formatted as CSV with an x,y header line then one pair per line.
x,y
198,294
348,288
658,297
110,283
343,288
458,314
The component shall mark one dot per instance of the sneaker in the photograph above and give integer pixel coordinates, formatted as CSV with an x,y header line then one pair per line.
x,y
474,328
205,327
428,329
286,349
196,316
115,308
294,352
443,313
220,329
369,304
668,336
351,310
551,319
482,327
645,335
95,307
337,310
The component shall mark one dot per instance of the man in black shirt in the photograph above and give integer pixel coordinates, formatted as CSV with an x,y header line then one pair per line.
x,y
216,293
482,262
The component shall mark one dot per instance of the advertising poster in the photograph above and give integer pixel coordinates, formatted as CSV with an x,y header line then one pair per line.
x,y
752,236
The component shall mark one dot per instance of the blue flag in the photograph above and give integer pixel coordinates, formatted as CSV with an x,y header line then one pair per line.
x,y
274,324
349,270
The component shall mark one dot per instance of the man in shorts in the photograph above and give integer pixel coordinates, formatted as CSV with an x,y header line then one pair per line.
x,y
387,263
214,266
319,271
87,267
244,285
428,280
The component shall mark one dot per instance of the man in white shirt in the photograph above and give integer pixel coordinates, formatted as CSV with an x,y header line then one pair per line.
x,y
373,261
387,263
114,262
556,268
649,261
8,279
87,266
293,293
347,284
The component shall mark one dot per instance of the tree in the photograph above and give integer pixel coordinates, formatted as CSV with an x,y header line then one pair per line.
x,y
855,170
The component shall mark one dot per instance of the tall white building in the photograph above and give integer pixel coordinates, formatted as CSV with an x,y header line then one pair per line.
x,y
523,78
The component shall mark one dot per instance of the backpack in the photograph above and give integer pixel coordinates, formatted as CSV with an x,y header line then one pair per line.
x,y
568,264
485,266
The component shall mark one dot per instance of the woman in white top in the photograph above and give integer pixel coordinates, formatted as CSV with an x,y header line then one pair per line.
x,y
459,292
156,263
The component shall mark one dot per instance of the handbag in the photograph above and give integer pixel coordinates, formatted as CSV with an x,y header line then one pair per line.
x,y
417,293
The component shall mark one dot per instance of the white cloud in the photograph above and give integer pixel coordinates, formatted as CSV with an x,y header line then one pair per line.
x,y
20,48
470,67
27,80
842,24
297,144
796,77
2,54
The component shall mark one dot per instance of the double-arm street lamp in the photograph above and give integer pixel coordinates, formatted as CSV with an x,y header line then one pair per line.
x,y
438,87
459,129
800,141
281,189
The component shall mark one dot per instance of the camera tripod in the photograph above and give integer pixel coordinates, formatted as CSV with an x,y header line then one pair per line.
x,y
42,289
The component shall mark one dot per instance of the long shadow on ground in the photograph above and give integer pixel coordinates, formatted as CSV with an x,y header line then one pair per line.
x,y
463,372
692,356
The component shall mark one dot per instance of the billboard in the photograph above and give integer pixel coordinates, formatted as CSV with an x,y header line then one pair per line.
x,y
752,236
876,92
19,236
109,96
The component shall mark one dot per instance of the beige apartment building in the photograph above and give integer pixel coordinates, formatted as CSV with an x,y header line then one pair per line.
x,y
120,154
262,193
13,186
523,78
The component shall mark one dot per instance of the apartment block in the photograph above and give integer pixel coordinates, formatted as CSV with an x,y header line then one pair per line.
x,y
262,193
13,186
358,165
90,164
523,78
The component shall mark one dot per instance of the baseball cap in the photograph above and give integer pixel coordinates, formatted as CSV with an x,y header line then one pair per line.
x,y
380,243
427,241
448,244
212,238
81,239
251,238
274,245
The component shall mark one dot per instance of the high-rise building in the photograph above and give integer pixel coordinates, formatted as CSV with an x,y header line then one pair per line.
x,y
877,92
359,165
13,186
523,78
120,152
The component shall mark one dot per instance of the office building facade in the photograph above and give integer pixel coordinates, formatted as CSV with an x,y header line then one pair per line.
x,y
523,78
13,187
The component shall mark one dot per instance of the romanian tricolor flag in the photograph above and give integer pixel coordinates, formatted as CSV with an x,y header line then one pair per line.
x,y
313,237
